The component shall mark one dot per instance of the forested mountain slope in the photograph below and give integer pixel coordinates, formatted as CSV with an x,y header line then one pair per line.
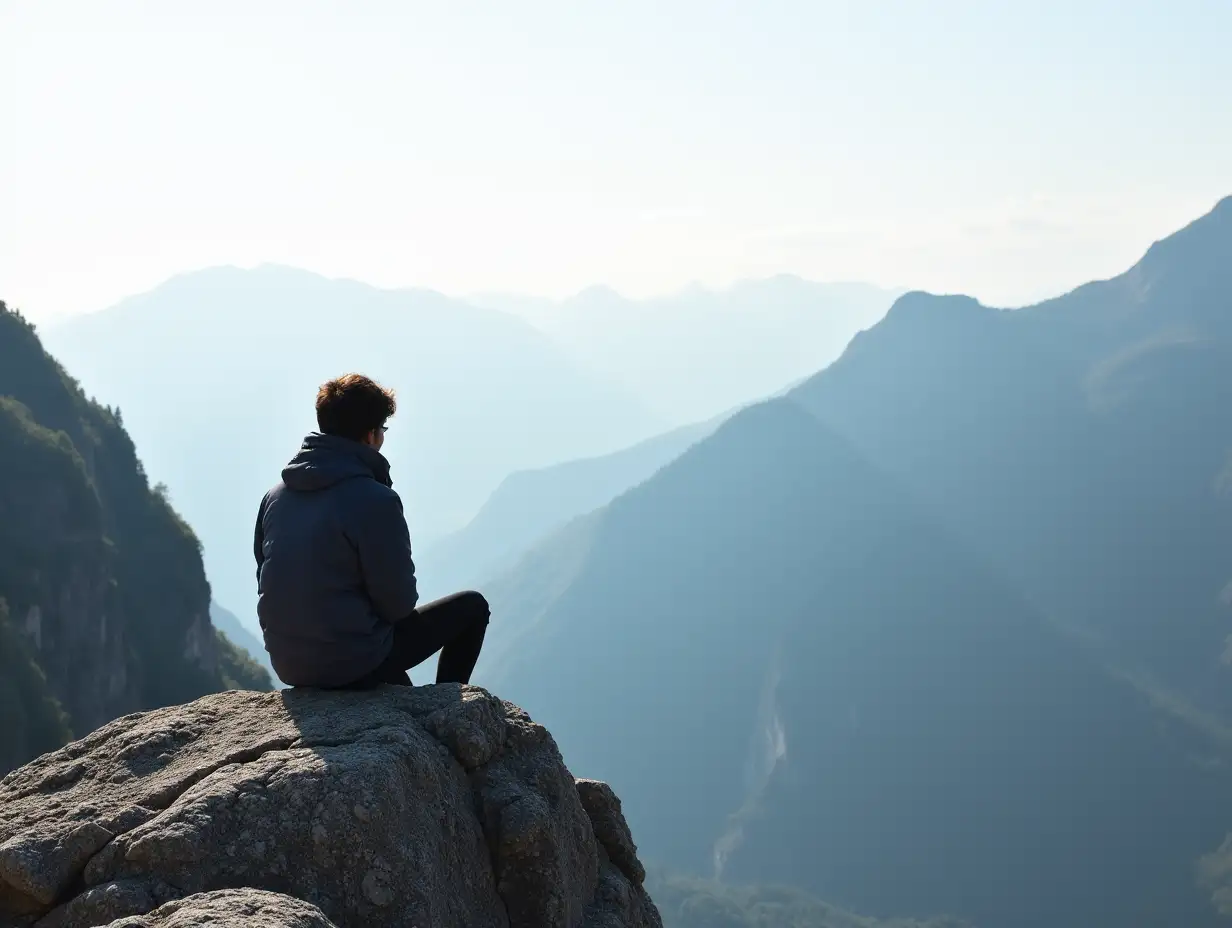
x,y
106,597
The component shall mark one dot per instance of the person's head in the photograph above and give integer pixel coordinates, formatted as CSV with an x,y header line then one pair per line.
x,y
356,407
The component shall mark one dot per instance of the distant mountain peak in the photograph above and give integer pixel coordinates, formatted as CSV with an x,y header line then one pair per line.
x,y
921,307
916,300
597,295
1205,243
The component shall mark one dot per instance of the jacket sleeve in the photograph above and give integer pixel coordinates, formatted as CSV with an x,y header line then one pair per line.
x,y
383,541
258,536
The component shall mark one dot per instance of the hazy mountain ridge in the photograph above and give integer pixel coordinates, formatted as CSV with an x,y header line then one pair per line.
x,y
695,353
1079,442
229,625
529,505
892,702
107,601
216,372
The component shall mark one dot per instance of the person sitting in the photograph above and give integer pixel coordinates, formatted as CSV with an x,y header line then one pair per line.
x,y
338,599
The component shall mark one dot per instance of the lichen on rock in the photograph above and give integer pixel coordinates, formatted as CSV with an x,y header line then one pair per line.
x,y
427,806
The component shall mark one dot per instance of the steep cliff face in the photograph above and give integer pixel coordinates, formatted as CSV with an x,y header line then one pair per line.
x,y
105,590
31,720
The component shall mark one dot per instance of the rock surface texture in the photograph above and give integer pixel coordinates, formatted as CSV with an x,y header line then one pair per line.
x,y
231,908
431,807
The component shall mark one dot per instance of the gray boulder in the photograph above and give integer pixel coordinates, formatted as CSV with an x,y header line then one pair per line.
x,y
428,806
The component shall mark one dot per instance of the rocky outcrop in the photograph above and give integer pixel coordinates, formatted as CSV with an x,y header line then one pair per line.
x,y
429,806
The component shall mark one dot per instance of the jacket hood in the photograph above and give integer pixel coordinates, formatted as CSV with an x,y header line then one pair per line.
x,y
324,460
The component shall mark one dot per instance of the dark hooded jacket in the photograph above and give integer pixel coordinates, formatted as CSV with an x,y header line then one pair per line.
x,y
334,568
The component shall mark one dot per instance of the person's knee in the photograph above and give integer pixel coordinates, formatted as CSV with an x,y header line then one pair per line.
x,y
478,605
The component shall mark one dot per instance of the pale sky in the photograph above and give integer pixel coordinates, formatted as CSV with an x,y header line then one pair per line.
x,y
1006,149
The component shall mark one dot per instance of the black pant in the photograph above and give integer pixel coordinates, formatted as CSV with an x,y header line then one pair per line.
x,y
454,625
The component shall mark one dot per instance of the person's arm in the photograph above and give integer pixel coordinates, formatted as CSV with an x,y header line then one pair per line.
x,y
383,541
258,537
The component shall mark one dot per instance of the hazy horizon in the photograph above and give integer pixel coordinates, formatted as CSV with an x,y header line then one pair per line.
x,y
1010,154
522,304
529,304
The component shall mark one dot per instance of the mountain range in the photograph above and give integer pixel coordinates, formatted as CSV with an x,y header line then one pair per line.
x,y
694,354
942,630
216,373
529,505
1082,444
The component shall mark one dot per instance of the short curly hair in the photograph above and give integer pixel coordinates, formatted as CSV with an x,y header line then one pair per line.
x,y
353,405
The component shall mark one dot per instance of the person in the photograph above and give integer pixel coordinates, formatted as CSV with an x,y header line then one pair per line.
x,y
338,599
